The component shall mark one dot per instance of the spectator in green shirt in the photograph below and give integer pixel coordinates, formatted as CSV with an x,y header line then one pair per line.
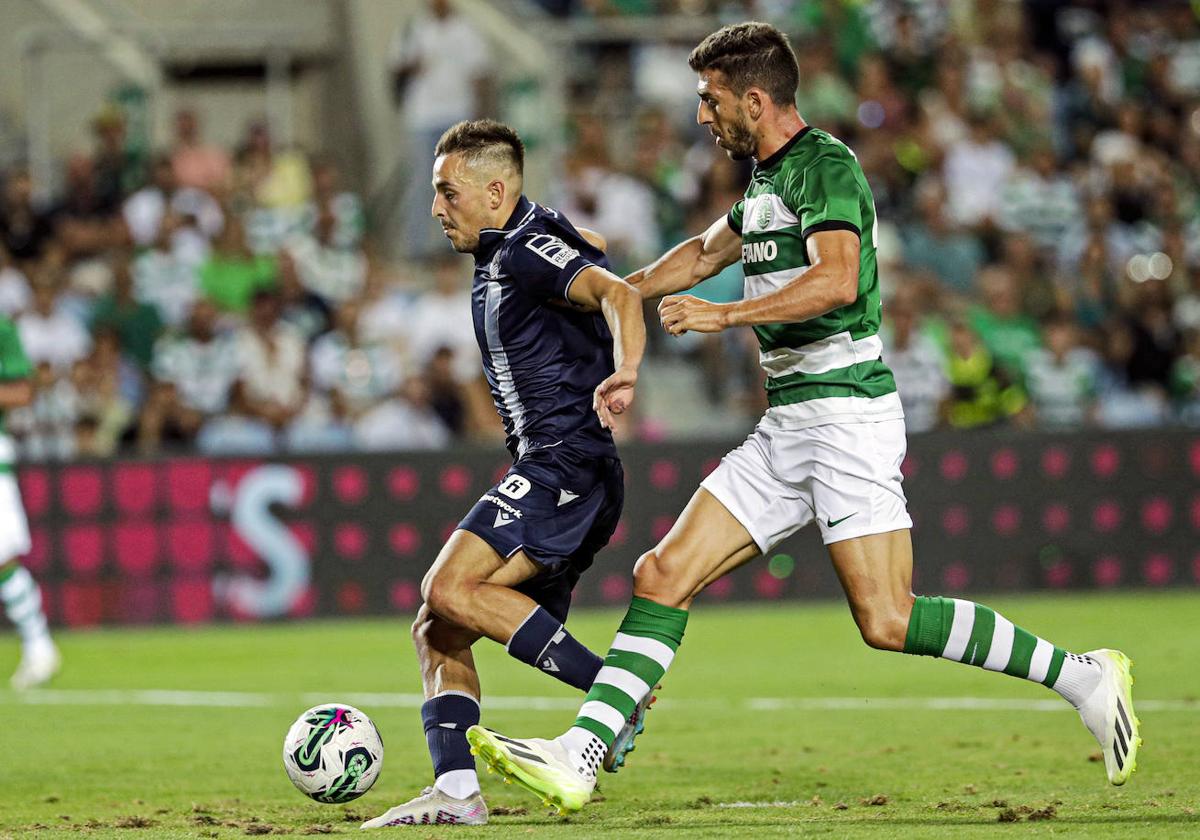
x,y
233,273
136,324
1007,332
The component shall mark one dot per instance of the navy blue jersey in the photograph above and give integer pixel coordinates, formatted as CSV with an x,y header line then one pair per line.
x,y
543,357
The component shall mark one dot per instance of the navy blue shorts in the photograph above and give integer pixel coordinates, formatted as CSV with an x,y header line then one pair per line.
x,y
560,508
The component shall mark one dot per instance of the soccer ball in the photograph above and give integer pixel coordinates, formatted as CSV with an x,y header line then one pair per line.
x,y
333,753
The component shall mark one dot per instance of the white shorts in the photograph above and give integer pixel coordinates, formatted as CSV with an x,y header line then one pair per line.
x,y
844,475
14,530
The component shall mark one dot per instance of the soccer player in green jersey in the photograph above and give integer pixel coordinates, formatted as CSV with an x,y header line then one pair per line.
x,y
18,590
828,449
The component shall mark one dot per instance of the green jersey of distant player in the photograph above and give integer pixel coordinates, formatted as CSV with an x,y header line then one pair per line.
x,y
14,364
812,184
19,593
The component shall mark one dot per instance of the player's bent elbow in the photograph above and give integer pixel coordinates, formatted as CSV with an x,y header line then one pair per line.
x,y
623,291
847,290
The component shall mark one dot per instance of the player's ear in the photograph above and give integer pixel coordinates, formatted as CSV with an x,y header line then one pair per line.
x,y
755,103
496,191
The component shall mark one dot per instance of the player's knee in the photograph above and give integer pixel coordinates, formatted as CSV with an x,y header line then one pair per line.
x,y
421,625
431,632
444,594
884,629
657,577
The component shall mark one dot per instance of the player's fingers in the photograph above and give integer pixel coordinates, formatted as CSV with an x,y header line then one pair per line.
x,y
606,418
668,308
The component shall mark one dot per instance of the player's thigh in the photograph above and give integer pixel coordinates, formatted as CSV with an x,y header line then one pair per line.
x,y
756,486
466,561
705,543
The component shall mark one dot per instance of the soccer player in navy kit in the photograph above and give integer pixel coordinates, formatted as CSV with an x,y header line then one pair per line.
x,y
561,339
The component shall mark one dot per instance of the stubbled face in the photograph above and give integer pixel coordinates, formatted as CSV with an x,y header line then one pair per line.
x,y
722,112
461,202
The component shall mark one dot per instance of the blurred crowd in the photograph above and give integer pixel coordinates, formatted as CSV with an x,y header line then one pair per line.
x,y
225,301
1036,168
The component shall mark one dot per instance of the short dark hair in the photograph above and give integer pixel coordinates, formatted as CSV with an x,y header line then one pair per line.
x,y
750,55
483,138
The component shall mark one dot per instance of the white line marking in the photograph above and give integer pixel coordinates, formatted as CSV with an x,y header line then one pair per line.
x,y
151,697
252,699
972,704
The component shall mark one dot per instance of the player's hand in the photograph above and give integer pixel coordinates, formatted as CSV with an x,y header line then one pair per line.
x,y
680,313
614,396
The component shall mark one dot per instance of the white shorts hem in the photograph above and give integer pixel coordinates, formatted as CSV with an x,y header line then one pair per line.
x,y
867,531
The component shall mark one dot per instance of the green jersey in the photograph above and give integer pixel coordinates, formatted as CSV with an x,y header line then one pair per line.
x,y
14,365
829,368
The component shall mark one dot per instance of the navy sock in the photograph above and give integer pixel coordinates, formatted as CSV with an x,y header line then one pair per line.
x,y
447,717
543,642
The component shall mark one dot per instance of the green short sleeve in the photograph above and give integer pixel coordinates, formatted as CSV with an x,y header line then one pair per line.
x,y
826,196
14,364
735,216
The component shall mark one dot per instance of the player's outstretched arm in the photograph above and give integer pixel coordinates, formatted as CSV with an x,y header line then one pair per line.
x,y
689,262
829,282
621,305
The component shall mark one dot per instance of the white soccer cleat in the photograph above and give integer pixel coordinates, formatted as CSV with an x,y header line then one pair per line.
x,y
39,663
544,768
1108,714
434,807
623,744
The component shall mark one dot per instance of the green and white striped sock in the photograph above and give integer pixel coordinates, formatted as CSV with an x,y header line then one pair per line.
x,y
641,653
964,631
23,604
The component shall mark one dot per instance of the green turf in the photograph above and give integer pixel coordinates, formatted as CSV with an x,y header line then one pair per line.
x,y
216,772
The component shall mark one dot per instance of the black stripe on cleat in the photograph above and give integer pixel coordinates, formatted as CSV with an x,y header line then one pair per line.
x,y
515,743
528,756
1124,719
1117,755
1121,740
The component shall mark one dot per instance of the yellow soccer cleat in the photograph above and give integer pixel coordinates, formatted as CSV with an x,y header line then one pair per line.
x,y
544,768
1108,714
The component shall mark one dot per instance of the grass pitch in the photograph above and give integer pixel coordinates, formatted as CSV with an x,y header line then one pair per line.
x,y
775,720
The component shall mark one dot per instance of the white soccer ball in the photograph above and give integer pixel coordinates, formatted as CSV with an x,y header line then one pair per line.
x,y
333,753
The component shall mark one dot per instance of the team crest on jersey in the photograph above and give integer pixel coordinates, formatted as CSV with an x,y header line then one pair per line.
x,y
493,268
552,249
762,216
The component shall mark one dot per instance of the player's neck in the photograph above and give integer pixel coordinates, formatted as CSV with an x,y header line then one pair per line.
x,y
777,133
505,212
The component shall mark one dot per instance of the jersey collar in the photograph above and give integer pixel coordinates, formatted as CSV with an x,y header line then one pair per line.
x,y
489,238
768,162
